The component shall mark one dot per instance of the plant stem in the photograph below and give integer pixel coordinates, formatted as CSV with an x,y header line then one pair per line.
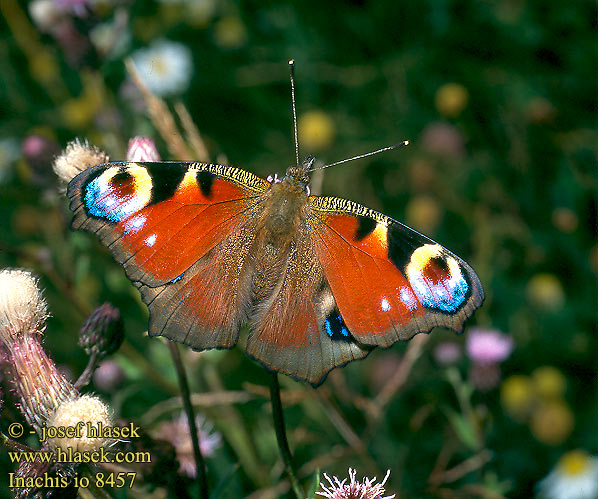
x,y
281,435
92,363
200,464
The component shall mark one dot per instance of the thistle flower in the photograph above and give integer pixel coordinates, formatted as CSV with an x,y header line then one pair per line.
x,y
447,353
39,385
142,149
177,433
46,398
486,349
488,346
366,489
85,409
77,157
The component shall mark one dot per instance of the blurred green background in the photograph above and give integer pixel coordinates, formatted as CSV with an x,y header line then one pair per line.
x,y
498,100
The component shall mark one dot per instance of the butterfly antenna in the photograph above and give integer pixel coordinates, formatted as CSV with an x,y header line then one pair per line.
x,y
296,136
388,148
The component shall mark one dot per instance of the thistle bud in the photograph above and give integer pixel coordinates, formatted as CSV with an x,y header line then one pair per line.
x,y
142,149
103,331
76,158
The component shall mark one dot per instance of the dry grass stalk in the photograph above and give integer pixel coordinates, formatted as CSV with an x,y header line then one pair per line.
x,y
161,117
193,136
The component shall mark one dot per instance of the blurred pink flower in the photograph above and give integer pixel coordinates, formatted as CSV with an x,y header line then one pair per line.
x,y
77,7
39,152
108,375
354,489
443,139
488,346
177,433
447,353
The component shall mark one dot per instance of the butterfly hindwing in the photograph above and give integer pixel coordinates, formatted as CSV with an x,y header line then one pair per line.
x,y
298,330
389,281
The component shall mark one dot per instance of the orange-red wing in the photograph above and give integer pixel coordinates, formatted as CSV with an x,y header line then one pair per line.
x,y
205,306
158,219
389,281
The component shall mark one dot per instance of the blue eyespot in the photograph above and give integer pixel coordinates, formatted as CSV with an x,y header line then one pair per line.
x,y
335,326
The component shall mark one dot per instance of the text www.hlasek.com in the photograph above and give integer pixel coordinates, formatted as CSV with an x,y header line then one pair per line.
x,y
71,456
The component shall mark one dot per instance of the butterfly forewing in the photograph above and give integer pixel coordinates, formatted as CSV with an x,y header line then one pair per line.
x,y
389,281
158,219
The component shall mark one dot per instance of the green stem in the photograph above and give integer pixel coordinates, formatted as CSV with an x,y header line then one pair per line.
x,y
281,435
200,464
85,377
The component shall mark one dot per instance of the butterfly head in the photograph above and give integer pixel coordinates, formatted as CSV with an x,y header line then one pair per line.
x,y
297,175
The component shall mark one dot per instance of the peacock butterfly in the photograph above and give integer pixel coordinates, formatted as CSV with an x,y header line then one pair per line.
x,y
321,280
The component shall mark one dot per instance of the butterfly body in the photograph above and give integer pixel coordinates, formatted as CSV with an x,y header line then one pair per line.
x,y
320,280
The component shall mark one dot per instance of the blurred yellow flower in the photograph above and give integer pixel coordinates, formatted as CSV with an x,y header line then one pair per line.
x,y
549,382
546,291
199,14
316,130
44,67
230,32
423,213
517,396
552,422
77,112
451,99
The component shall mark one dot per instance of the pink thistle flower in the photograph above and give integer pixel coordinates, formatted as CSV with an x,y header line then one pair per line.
x,y
40,387
45,396
486,349
447,353
366,489
488,346
142,149
177,433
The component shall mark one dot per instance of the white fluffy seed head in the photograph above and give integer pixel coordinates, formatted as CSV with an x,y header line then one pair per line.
x,y
76,158
23,309
84,412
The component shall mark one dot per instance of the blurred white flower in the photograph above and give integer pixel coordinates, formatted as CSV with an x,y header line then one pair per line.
x,y
574,477
165,67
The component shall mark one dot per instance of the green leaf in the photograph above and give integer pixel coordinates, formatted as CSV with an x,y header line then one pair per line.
x,y
315,483
463,428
